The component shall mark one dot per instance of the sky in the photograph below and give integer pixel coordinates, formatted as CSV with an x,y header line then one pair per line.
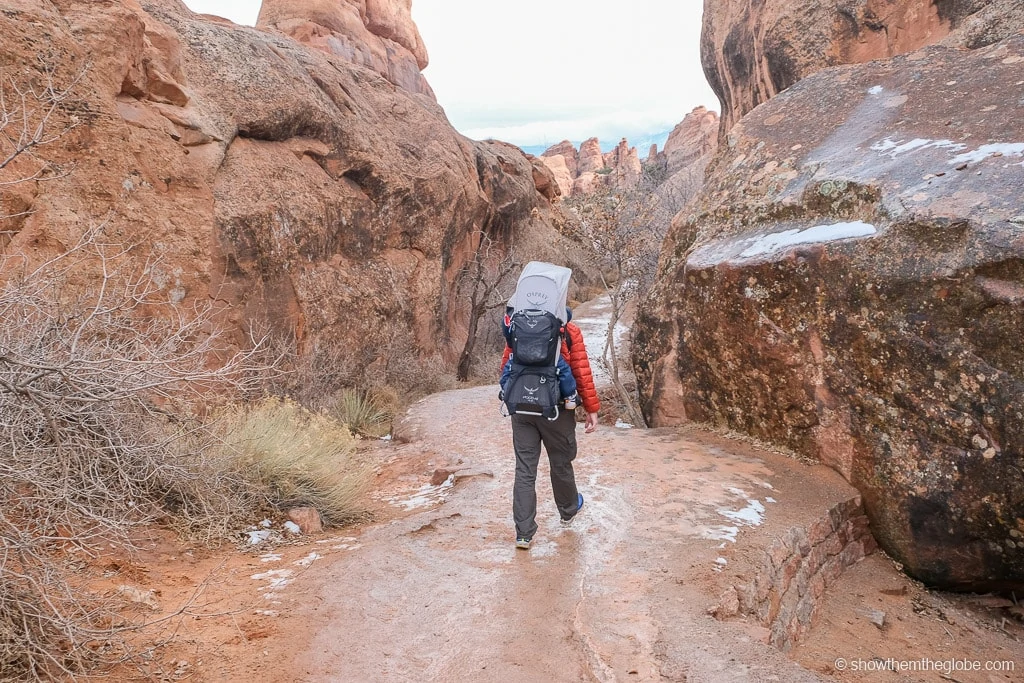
x,y
535,72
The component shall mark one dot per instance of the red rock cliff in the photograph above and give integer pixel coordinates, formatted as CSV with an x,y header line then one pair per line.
x,y
292,186
753,51
849,284
377,34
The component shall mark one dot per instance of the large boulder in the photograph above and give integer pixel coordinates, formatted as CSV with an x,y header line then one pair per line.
x,y
850,285
752,51
291,188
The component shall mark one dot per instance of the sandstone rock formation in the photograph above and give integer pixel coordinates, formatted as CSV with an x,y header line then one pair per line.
x,y
591,158
850,284
692,140
290,187
568,152
752,51
624,164
580,172
688,151
558,166
377,34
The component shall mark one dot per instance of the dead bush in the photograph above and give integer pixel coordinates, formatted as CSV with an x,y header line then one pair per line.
x,y
314,375
99,375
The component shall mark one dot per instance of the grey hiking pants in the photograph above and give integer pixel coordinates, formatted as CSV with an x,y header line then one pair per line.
x,y
559,440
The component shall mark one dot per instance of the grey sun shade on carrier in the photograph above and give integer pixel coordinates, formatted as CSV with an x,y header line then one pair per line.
x,y
542,287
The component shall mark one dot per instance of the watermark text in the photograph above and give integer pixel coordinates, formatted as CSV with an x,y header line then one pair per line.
x,y
943,666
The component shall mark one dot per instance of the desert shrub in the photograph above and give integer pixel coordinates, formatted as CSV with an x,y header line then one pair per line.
x,y
294,457
361,412
317,373
411,375
99,378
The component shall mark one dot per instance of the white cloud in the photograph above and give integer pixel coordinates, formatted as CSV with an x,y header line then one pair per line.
x,y
540,71
609,127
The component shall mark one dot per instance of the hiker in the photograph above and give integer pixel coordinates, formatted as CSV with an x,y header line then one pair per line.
x,y
551,422
566,381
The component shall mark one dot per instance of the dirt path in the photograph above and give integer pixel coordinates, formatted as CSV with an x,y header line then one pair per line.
x,y
678,524
444,595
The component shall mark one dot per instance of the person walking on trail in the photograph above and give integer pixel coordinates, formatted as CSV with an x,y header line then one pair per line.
x,y
558,436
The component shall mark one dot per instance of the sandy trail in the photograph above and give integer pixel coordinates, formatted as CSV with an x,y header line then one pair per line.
x,y
444,594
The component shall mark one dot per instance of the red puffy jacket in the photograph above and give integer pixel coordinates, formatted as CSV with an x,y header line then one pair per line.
x,y
575,354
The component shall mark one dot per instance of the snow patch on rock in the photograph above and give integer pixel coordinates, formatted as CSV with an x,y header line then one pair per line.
x,y
769,244
1006,149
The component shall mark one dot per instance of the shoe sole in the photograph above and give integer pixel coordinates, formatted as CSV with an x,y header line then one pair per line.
x,y
523,545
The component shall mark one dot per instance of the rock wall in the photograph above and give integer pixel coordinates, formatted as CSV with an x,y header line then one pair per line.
x,y
288,186
753,51
850,284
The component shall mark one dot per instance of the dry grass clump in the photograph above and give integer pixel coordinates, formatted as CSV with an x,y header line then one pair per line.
x,y
296,458
363,412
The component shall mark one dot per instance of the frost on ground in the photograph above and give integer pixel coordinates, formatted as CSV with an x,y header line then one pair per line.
x,y
426,495
341,543
307,560
752,514
276,579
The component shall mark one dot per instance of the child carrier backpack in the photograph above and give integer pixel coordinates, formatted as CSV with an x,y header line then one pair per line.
x,y
535,337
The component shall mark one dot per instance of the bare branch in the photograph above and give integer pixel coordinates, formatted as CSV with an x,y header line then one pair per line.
x,y
483,283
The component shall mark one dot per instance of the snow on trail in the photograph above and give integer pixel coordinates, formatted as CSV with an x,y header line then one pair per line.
x,y
593,323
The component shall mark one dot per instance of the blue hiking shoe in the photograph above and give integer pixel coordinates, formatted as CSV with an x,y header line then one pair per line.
x,y
523,543
579,506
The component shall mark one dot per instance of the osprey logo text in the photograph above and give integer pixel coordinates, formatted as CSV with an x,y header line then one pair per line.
x,y
537,298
